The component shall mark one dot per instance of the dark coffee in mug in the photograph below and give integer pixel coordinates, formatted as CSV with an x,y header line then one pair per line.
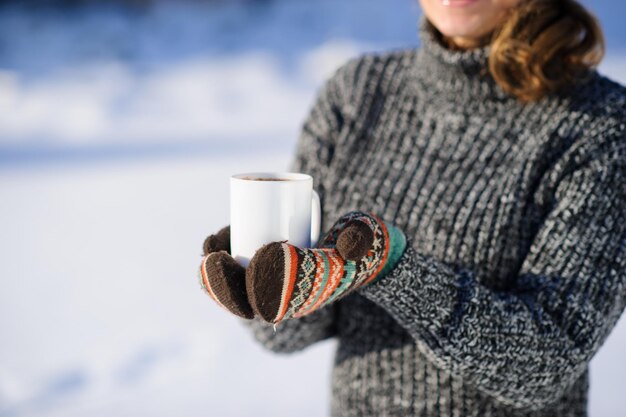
x,y
263,179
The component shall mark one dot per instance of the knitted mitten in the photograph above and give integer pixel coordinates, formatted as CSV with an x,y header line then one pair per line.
x,y
285,281
222,277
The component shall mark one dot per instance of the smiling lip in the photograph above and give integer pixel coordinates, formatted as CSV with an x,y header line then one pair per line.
x,y
457,3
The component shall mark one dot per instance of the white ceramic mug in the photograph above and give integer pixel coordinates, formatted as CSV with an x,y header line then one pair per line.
x,y
271,207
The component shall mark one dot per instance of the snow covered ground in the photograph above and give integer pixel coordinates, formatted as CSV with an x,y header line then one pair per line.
x,y
114,127
101,312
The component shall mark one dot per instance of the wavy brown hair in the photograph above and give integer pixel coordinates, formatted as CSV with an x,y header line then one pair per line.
x,y
545,46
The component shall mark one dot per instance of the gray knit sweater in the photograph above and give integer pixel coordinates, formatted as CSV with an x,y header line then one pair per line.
x,y
516,217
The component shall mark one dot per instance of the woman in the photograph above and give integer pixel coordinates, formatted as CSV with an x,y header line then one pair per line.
x,y
494,265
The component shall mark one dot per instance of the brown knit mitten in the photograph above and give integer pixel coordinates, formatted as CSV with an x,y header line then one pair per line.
x,y
222,277
285,281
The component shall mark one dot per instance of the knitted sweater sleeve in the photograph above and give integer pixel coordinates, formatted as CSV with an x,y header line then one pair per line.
x,y
525,346
314,152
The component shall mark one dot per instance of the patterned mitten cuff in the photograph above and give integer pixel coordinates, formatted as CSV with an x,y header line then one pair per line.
x,y
285,281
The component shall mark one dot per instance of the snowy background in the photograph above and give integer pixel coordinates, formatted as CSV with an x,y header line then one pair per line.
x,y
115,124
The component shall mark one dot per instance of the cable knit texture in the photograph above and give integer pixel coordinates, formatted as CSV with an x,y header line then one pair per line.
x,y
515,214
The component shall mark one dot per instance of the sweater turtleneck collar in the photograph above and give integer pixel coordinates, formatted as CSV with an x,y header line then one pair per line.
x,y
454,71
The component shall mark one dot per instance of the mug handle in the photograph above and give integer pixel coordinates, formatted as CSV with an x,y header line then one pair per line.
x,y
316,218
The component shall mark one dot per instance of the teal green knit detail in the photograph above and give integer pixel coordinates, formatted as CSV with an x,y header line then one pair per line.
x,y
397,245
350,272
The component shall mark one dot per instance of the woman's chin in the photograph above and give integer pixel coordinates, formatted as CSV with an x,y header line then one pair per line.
x,y
465,31
466,19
